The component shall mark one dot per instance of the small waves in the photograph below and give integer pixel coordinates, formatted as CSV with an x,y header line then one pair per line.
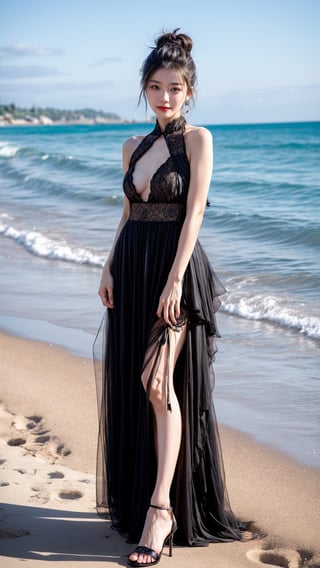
x,y
284,312
8,150
40,245
56,172
29,185
31,175
264,213
267,228
273,309
299,187
65,161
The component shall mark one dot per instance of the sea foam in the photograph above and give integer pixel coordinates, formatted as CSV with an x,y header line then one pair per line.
x,y
274,309
8,150
40,245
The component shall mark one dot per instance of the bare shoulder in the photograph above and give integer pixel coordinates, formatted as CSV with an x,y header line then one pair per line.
x,y
197,138
132,142
128,148
197,134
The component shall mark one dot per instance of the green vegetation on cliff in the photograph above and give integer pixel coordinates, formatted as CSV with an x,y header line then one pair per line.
x,y
56,114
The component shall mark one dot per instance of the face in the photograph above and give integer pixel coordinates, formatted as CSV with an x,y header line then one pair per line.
x,y
166,92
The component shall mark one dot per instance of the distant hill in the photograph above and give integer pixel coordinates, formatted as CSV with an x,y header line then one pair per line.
x,y
12,114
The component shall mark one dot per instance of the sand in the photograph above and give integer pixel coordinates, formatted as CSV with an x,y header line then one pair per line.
x,y
48,429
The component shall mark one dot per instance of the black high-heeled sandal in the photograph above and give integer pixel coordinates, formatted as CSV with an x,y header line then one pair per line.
x,y
149,551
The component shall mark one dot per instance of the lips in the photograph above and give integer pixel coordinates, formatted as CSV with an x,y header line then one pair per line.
x,y
163,108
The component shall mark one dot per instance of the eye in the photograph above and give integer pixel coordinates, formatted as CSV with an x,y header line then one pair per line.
x,y
176,89
153,87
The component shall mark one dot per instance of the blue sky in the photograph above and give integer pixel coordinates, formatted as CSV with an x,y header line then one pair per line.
x,y
257,60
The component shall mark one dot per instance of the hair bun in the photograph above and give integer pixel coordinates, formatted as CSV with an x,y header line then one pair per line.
x,y
171,51
174,39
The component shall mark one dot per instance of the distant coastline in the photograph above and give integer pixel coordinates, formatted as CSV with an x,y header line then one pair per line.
x,y
11,115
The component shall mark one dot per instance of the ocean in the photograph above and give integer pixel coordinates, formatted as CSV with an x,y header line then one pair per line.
x,y
61,200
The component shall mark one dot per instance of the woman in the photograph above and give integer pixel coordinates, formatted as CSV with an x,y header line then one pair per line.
x,y
158,448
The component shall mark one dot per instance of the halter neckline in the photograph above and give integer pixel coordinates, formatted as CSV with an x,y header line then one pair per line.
x,y
174,126
170,182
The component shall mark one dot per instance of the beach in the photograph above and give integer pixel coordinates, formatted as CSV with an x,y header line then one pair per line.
x,y
48,443
61,200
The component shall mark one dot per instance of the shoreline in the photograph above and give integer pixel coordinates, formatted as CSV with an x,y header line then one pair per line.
x,y
245,398
57,419
85,122
23,122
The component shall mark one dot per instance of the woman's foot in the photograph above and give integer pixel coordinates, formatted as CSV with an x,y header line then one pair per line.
x,y
158,525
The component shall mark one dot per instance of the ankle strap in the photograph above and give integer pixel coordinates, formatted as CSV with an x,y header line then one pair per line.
x,y
161,508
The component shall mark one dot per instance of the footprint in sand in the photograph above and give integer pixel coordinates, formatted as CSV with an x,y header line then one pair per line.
x,y
70,495
42,439
56,475
37,439
33,435
34,419
16,442
276,557
62,451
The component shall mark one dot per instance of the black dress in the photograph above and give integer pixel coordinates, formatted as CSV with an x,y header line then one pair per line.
x,y
126,461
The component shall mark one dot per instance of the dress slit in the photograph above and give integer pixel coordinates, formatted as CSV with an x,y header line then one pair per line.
x,y
131,337
160,341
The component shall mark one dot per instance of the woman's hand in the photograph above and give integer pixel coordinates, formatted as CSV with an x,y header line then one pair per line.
x,y
169,303
106,288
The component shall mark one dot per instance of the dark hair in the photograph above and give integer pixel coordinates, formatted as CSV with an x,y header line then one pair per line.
x,y
172,51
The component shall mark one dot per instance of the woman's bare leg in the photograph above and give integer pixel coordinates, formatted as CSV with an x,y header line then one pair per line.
x,y
168,437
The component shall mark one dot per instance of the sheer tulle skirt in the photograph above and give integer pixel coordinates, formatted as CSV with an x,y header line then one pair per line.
x,y
126,460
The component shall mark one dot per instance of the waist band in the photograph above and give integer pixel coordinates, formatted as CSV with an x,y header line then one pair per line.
x,y
157,211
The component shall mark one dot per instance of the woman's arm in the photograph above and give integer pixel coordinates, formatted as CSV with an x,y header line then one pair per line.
x,y
200,149
106,284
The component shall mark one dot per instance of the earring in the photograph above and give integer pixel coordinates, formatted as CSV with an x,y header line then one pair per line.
x,y
186,105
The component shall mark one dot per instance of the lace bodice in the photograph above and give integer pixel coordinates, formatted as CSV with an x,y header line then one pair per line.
x,y
170,182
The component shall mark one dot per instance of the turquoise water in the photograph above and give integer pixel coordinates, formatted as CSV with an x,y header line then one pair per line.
x,y
60,201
